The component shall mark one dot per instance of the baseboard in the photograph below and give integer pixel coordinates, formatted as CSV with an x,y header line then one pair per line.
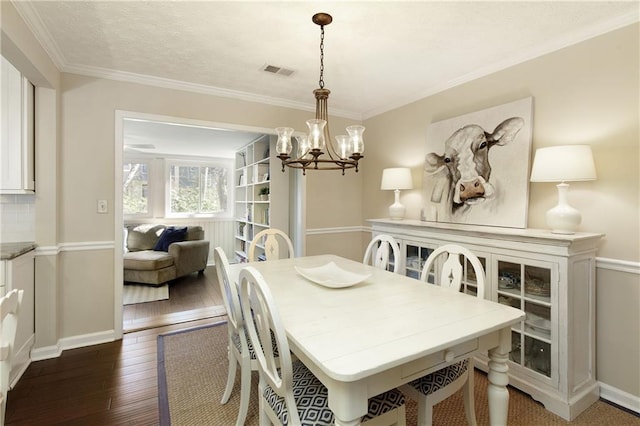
x,y
46,352
54,351
18,373
619,397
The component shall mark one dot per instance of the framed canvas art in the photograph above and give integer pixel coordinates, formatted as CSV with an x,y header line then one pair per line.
x,y
477,167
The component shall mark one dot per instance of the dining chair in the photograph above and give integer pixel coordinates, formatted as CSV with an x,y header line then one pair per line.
x,y
291,394
239,348
439,385
272,238
9,309
379,250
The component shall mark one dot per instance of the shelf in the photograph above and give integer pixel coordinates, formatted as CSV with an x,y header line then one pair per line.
x,y
253,166
537,336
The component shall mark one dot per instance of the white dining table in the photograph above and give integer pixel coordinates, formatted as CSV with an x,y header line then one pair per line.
x,y
384,331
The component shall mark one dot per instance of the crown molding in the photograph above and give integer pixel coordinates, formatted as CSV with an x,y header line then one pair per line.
x,y
167,83
29,15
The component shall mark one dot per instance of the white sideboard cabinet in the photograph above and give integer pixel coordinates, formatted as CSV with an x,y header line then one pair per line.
x,y
551,277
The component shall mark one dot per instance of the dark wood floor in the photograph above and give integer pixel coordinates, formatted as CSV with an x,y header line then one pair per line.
x,y
112,383
194,296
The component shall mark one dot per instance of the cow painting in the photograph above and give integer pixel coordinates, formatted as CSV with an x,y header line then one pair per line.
x,y
458,178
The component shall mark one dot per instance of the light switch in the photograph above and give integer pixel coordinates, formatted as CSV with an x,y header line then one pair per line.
x,y
102,206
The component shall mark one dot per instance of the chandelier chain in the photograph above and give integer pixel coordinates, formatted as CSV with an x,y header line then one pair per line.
x,y
321,82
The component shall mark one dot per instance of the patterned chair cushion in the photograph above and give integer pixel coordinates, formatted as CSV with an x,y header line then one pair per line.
x,y
252,352
438,379
311,400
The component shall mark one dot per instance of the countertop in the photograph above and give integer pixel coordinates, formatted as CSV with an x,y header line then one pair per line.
x,y
10,251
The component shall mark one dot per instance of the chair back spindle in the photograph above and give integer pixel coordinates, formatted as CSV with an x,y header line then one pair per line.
x,y
451,270
272,238
381,250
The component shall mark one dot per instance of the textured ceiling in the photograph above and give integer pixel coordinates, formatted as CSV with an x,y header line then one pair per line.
x,y
378,55
176,139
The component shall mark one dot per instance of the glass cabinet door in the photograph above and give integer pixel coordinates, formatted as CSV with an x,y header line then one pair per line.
x,y
416,255
469,279
530,287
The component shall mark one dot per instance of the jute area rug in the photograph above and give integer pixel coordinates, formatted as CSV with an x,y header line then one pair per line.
x,y
140,293
192,373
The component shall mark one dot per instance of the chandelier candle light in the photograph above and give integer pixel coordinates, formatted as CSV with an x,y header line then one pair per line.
x,y
395,179
347,149
562,164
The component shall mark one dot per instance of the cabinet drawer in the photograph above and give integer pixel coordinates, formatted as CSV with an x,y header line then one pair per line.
x,y
434,362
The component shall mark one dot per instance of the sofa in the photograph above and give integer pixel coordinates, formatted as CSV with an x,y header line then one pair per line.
x,y
155,254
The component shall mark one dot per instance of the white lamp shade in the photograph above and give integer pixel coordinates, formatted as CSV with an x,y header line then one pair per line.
x,y
563,164
396,178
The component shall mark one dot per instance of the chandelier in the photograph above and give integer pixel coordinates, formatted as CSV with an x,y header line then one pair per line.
x,y
343,153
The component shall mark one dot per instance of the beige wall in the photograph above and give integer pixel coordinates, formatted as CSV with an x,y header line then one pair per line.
x,y
23,50
88,135
586,94
334,201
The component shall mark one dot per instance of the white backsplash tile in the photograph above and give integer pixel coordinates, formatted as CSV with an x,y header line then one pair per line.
x,y
17,218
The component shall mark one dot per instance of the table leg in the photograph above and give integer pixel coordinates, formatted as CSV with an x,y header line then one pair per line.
x,y
348,401
498,380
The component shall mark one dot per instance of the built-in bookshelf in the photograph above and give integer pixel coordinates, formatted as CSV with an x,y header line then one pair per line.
x,y
261,193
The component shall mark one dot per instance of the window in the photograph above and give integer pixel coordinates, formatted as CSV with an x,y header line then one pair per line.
x,y
198,189
135,187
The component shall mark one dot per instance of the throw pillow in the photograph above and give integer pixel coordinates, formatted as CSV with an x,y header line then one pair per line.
x,y
170,235
143,237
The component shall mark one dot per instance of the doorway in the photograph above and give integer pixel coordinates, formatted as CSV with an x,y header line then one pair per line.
x,y
194,296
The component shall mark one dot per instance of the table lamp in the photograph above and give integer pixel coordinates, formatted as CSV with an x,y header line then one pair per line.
x,y
396,179
562,164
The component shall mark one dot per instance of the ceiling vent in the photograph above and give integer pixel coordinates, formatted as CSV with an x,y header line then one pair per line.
x,y
277,70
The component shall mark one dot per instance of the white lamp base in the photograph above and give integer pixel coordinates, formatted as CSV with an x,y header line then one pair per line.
x,y
396,210
563,219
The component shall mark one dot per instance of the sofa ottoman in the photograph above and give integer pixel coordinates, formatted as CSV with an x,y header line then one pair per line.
x,y
145,263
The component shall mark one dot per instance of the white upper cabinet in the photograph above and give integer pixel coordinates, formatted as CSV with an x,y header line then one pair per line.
x,y
18,133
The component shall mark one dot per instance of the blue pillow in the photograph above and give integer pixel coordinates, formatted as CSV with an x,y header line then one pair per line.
x,y
170,235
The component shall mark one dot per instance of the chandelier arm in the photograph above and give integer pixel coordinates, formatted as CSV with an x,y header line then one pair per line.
x,y
317,164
